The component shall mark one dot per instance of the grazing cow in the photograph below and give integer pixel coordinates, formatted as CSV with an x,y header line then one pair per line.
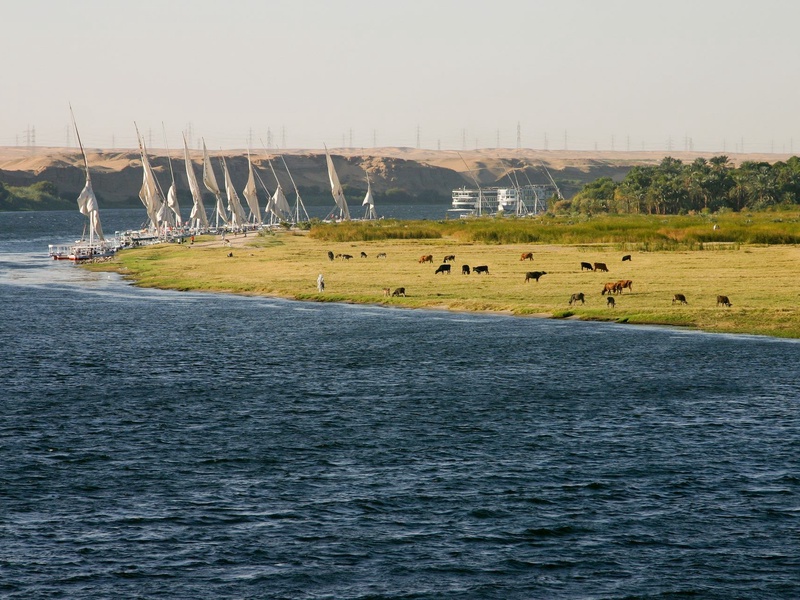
x,y
600,267
338,256
481,269
443,269
387,292
679,298
465,269
330,255
381,255
449,257
724,301
609,288
399,292
625,283
347,256
534,275
527,256
626,257
577,298
363,255
426,258
587,266
610,302
230,254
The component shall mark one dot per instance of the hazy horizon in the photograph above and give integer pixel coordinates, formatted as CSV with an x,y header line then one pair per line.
x,y
575,75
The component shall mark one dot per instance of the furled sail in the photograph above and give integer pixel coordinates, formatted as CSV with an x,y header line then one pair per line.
x,y
251,195
198,210
238,217
210,181
87,205
369,202
336,189
279,205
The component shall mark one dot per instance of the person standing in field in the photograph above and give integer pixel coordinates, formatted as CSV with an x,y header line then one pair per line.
x,y
320,284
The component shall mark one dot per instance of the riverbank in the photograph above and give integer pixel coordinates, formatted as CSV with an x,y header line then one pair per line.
x,y
761,281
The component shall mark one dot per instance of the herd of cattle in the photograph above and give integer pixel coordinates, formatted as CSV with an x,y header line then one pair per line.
x,y
616,287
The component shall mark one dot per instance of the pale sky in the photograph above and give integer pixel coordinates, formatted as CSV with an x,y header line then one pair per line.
x,y
638,74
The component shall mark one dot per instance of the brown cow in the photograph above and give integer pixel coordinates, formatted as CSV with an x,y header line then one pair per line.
x,y
587,266
724,301
381,255
679,298
387,292
609,288
449,257
399,292
577,297
625,283
426,258
600,267
534,275
347,256
527,256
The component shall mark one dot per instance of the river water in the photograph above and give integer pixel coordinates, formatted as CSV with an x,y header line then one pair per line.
x,y
162,444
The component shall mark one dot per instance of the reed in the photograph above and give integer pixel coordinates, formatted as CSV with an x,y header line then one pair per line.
x,y
760,280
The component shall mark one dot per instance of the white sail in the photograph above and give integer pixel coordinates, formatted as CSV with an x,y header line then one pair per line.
x,y
172,202
238,217
336,189
149,194
251,195
210,181
369,202
87,205
279,205
198,210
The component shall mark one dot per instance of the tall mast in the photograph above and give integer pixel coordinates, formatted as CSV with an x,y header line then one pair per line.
x,y
299,202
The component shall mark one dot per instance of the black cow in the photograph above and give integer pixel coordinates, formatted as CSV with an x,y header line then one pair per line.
x,y
465,269
330,255
481,269
577,298
534,275
399,292
347,256
724,301
611,302
679,298
363,255
600,267
587,266
443,269
626,257
381,255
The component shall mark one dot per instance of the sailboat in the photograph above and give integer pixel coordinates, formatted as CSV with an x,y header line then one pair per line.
x,y
198,218
96,246
251,194
210,181
172,193
369,202
298,204
336,189
238,218
149,194
278,206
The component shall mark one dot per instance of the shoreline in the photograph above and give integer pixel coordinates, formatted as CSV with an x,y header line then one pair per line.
x,y
285,265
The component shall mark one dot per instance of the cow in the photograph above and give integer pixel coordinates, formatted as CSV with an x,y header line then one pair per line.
x,y
443,269
338,256
330,255
381,255
534,275
230,254
426,258
347,256
577,298
625,283
600,267
449,257
387,292
610,302
465,269
363,255
724,301
481,269
527,256
679,298
609,288
399,292
626,257
587,266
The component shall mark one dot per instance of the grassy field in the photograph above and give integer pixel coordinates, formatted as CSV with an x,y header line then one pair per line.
x,y
761,281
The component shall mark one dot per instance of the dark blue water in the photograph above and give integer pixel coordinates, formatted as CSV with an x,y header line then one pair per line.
x,y
158,444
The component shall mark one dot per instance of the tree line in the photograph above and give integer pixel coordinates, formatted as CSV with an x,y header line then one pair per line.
x,y
672,187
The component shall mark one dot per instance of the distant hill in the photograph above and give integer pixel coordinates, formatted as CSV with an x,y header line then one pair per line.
x,y
403,174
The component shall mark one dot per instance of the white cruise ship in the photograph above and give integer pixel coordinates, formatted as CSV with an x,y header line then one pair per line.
x,y
524,200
